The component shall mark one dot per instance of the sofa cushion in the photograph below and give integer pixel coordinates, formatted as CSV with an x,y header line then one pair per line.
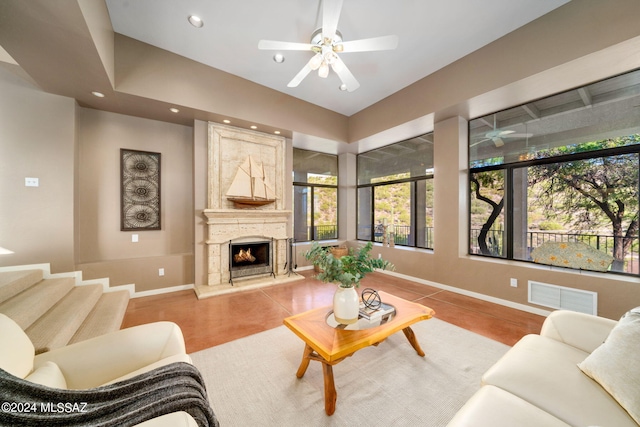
x,y
580,330
48,374
492,406
615,365
18,361
544,372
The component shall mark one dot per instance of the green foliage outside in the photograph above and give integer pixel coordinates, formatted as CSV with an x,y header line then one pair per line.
x,y
598,195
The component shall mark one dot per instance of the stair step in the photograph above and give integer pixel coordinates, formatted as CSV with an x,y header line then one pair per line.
x,y
14,282
26,307
106,316
56,327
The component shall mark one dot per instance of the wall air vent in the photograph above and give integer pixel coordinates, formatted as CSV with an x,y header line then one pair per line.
x,y
559,297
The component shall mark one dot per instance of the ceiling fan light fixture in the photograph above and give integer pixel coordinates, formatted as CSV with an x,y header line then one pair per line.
x,y
326,43
329,56
316,61
342,87
323,71
196,21
279,58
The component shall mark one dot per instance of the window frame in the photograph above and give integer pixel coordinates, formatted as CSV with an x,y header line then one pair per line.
x,y
312,187
413,214
509,169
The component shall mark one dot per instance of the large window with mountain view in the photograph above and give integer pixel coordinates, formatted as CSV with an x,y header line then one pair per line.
x,y
315,196
395,193
561,169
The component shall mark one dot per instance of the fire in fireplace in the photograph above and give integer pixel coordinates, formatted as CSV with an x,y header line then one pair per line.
x,y
250,259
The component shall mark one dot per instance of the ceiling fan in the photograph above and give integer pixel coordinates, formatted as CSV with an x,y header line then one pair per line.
x,y
326,43
496,135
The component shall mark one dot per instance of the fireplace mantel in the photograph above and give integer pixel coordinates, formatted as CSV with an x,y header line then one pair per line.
x,y
229,224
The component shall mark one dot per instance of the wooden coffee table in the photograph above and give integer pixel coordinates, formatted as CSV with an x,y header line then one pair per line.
x,y
331,345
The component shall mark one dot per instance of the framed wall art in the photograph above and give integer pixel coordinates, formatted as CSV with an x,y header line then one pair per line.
x,y
139,190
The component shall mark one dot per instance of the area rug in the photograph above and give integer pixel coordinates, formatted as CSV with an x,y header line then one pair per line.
x,y
252,381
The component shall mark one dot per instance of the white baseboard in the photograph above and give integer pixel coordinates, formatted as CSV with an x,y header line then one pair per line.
x,y
476,295
46,268
161,291
134,294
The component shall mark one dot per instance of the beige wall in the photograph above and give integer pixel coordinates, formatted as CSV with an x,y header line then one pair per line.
x,y
105,251
37,139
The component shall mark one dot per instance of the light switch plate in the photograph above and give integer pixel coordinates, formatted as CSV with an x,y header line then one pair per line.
x,y
134,238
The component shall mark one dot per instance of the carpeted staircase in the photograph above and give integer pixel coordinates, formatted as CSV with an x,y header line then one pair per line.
x,y
56,310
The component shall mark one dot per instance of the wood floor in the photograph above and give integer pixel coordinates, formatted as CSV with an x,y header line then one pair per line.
x,y
216,320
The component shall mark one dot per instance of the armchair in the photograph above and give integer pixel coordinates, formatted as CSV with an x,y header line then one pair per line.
x,y
101,361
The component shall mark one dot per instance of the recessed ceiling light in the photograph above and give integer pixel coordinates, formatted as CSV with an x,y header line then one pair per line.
x,y
196,21
279,58
227,121
98,94
254,127
277,132
174,110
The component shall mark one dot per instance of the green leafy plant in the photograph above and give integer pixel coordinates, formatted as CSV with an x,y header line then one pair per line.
x,y
347,270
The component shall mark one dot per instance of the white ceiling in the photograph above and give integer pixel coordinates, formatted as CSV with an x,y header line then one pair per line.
x,y
432,34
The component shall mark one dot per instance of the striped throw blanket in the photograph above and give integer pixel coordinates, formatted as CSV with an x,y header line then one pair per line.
x,y
171,388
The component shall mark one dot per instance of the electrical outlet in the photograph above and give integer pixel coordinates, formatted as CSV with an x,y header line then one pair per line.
x,y
161,272
514,283
134,238
31,182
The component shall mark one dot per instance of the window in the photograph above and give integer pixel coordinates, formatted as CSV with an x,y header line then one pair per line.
x,y
315,196
563,168
395,190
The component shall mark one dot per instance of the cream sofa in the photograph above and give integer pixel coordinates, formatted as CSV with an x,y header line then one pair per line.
x,y
102,360
566,376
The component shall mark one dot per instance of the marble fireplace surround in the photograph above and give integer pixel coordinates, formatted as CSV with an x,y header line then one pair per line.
x,y
228,148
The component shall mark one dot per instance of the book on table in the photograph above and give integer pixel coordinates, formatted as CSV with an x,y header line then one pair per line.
x,y
374,313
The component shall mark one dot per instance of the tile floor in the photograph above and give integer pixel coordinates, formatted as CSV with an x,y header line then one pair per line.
x,y
216,320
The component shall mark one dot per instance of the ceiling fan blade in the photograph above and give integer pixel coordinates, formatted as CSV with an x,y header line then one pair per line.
x,y
345,75
300,76
375,43
330,17
479,142
520,135
276,45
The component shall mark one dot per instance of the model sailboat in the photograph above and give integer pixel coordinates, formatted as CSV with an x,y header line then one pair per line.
x,y
249,187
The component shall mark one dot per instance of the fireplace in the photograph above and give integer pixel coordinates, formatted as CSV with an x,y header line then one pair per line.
x,y
250,258
260,231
